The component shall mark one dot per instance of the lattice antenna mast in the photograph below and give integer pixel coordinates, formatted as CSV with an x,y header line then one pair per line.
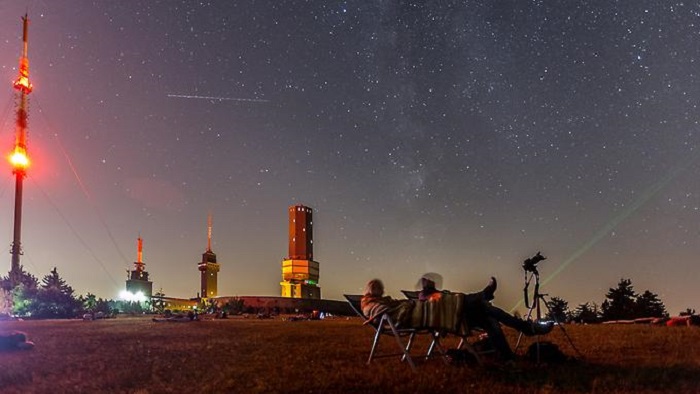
x,y
19,158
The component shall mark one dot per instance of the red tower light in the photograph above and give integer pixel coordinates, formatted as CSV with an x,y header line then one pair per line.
x,y
19,159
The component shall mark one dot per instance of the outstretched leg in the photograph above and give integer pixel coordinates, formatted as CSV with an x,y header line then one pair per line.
x,y
526,327
476,314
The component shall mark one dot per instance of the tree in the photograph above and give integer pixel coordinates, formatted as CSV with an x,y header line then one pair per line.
x,y
620,302
130,307
586,313
211,306
648,304
24,300
234,306
558,310
158,302
5,302
54,281
108,307
89,302
687,312
54,299
28,280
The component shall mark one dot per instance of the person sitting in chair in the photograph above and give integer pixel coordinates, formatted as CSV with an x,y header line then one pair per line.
x,y
476,312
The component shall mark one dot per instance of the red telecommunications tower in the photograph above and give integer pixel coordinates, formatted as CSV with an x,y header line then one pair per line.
x,y
18,157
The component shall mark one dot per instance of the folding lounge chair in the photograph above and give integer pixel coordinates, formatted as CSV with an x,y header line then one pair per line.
x,y
438,334
435,334
384,325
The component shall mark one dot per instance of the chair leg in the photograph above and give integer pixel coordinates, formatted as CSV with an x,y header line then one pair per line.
x,y
406,355
377,335
409,345
431,347
435,343
464,345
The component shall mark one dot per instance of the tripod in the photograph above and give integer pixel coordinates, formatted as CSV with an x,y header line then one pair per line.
x,y
539,299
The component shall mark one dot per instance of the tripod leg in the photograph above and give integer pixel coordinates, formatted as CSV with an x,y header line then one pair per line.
x,y
561,327
527,317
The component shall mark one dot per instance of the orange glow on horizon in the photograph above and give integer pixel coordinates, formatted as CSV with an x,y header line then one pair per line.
x,y
19,159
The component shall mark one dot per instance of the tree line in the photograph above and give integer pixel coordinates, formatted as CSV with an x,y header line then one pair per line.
x,y
52,298
621,303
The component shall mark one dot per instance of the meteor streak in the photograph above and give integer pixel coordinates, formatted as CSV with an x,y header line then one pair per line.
x,y
217,98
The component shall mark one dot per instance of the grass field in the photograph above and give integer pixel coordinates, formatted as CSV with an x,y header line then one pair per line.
x,y
136,355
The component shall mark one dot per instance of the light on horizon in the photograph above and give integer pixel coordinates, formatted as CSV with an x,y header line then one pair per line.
x,y
131,297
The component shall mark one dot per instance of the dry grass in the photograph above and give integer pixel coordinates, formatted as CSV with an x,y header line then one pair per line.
x,y
136,355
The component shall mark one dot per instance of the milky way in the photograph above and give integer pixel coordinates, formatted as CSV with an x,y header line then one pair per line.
x,y
455,137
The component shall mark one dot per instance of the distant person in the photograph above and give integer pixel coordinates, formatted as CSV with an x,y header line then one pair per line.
x,y
179,318
476,312
15,340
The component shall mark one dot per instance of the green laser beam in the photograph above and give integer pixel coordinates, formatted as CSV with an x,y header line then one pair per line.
x,y
619,218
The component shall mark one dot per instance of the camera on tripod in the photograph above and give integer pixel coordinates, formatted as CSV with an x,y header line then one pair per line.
x,y
530,265
538,300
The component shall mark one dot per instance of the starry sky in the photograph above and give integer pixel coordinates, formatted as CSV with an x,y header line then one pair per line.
x,y
458,137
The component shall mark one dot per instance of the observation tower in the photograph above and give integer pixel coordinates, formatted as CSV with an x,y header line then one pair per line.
x,y
300,272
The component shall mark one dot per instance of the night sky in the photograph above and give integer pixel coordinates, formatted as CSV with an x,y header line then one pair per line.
x,y
455,137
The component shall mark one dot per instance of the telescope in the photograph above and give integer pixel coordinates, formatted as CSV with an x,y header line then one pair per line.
x,y
530,265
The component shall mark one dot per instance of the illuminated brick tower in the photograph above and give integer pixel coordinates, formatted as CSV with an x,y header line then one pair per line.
x,y
137,281
299,270
208,268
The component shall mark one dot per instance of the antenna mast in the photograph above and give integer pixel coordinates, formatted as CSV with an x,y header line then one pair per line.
x,y
138,264
209,232
19,158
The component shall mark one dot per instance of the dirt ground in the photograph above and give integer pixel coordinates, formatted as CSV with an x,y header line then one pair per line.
x,y
236,355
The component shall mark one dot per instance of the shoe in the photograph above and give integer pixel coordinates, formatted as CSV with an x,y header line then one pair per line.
x,y
490,289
